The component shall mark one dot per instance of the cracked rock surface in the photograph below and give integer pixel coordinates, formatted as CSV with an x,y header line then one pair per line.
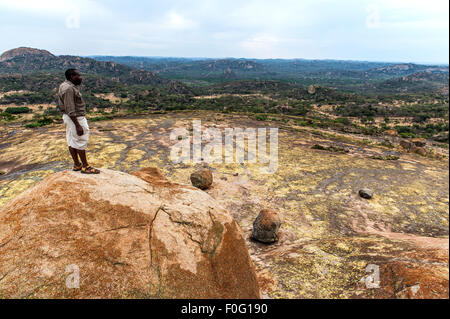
x,y
125,236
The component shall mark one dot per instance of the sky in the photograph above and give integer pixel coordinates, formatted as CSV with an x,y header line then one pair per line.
x,y
368,30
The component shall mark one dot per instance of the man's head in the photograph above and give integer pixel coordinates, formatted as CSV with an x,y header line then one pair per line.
x,y
73,76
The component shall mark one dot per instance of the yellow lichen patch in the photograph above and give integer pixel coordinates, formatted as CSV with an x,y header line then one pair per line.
x,y
14,188
134,155
107,156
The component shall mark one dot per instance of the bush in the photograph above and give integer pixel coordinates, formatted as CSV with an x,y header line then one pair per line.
x,y
7,117
407,135
39,123
100,118
18,110
52,111
343,120
261,117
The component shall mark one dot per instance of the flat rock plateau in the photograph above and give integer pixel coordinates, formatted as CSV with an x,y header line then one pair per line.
x,y
330,240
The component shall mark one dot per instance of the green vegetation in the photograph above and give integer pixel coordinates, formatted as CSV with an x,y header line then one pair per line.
x,y
43,121
100,118
350,97
261,117
17,110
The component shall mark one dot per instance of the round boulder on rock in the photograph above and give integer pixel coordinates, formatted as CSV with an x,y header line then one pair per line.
x,y
366,193
266,226
202,179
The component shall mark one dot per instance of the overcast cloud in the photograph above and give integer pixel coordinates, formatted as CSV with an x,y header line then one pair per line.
x,y
378,30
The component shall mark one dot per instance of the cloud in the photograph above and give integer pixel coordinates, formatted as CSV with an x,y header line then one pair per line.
x,y
56,8
176,21
415,29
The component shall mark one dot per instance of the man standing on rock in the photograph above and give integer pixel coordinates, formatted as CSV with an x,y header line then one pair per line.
x,y
72,106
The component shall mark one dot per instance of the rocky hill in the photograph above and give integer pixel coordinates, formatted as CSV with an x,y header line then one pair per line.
x,y
126,236
28,61
24,52
419,82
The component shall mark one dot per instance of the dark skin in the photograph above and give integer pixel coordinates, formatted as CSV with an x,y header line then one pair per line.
x,y
76,79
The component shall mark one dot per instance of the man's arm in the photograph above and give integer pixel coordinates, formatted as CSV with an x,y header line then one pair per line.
x,y
69,104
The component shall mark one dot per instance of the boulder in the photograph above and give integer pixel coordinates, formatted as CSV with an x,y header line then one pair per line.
x,y
266,226
419,150
391,132
366,193
419,142
407,145
202,179
123,236
441,137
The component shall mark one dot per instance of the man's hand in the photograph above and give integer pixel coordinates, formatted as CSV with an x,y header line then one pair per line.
x,y
80,130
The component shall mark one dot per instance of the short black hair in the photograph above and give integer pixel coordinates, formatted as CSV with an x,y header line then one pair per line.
x,y
69,73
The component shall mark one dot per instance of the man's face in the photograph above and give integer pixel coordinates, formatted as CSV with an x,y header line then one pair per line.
x,y
76,78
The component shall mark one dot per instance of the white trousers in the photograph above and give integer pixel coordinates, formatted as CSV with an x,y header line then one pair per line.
x,y
73,140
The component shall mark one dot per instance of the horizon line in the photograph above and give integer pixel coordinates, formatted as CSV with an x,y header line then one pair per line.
x,y
287,59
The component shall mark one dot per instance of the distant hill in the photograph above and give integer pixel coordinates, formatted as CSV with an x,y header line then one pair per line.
x,y
22,51
419,82
227,69
353,76
25,61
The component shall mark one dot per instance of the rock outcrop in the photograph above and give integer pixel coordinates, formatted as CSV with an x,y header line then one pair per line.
x,y
419,142
391,132
23,52
123,236
406,145
419,150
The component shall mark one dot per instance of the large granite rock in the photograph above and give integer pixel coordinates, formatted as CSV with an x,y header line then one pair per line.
x,y
123,236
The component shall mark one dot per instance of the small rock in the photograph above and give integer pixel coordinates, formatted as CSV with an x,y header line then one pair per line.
x,y
224,178
236,174
419,142
419,150
366,193
202,179
266,226
406,144
391,132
